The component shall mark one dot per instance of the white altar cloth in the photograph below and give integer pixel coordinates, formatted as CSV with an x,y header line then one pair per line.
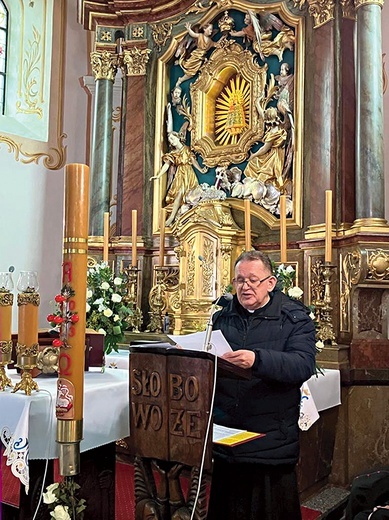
x,y
28,423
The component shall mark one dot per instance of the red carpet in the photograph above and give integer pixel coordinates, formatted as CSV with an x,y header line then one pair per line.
x,y
124,498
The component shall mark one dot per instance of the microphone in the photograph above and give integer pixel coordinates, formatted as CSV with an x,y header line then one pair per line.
x,y
208,331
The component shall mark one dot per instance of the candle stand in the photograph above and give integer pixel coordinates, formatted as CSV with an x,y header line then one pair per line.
x,y
5,359
158,300
135,319
27,346
325,331
6,302
26,361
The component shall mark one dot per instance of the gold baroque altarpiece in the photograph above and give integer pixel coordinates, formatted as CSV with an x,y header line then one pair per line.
x,y
222,103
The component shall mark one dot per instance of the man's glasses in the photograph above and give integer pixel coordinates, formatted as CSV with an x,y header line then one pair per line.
x,y
251,282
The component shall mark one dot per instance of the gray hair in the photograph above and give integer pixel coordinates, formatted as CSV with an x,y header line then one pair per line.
x,y
255,256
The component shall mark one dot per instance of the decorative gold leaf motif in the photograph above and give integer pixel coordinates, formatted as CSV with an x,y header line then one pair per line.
x,y
104,65
226,90
31,82
136,60
322,11
378,264
52,161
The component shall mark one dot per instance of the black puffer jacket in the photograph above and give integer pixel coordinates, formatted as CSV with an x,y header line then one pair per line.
x,y
282,335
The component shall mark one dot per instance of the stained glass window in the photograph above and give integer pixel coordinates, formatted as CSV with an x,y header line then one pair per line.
x,y
3,52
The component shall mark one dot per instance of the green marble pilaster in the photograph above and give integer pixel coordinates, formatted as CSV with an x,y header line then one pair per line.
x,y
101,157
370,189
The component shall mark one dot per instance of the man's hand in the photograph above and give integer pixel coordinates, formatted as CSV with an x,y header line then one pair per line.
x,y
241,358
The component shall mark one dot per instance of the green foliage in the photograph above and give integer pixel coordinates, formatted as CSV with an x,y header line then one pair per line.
x,y
63,502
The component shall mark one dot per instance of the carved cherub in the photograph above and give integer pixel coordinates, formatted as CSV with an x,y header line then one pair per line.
x,y
191,57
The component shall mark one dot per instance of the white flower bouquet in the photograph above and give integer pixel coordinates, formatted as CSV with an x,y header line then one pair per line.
x,y
62,501
106,311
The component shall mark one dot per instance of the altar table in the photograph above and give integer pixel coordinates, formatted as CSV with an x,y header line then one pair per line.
x,y
28,423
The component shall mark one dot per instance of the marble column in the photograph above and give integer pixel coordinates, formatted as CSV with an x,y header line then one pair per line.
x,y
135,60
320,131
104,67
370,190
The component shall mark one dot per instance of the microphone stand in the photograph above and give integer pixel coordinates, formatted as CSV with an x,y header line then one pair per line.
x,y
208,331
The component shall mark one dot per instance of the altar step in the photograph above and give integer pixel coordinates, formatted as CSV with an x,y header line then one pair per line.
x,y
330,503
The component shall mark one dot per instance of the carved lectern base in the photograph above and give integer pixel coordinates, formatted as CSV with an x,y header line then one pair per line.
x,y
159,491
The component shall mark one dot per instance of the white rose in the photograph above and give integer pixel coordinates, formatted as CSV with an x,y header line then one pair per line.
x,y
319,345
87,307
281,267
102,331
105,286
116,298
91,271
60,513
99,301
116,318
89,293
108,313
117,281
290,269
101,308
49,497
295,292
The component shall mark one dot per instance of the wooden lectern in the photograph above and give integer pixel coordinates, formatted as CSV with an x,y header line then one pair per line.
x,y
171,428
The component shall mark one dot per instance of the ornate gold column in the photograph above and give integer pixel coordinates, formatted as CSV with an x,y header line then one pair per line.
x,y
370,187
104,67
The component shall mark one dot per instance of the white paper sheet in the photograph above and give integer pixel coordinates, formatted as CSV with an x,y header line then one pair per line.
x,y
196,341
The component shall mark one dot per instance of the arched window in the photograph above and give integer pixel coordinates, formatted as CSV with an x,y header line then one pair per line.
x,y
3,52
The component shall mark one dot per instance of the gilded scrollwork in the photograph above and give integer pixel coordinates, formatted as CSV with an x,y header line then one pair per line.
x,y
55,160
348,9
191,268
6,299
378,265
27,350
32,298
31,78
350,275
240,82
104,65
161,32
135,61
208,266
322,11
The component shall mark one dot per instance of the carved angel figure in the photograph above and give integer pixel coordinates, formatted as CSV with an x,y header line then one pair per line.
x,y
180,162
267,163
190,59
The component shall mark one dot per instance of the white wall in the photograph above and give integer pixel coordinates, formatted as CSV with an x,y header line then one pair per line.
x,y
31,196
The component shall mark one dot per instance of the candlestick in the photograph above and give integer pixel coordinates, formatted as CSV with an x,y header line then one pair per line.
x,y
247,224
70,393
283,252
6,302
106,237
27,346
162,237
328,227
134,259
